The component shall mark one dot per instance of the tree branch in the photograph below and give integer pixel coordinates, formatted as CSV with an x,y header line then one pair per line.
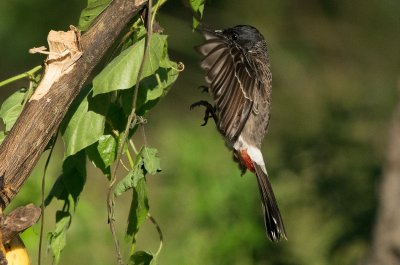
x,y
41,118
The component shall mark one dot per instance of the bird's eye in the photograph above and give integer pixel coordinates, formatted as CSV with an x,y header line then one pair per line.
x,y
234,36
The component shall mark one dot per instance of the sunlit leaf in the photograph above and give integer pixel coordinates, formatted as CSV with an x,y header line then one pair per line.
x,y
151,90
198,8
195,23
89,14
156,53
107,149
197,5
83,129
11,108
151,160
122,72
96,159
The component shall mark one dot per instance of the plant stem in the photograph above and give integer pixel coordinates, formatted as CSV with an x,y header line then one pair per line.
x,y
133,147
42,206
21,76
110,198
131,162
160,234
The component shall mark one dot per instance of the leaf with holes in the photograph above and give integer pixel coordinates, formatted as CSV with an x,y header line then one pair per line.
x,y
151,160
131,180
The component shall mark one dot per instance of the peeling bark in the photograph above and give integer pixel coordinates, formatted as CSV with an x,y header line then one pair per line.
x,y
64,50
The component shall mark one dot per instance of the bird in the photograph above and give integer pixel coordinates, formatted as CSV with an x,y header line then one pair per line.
x,y
239,80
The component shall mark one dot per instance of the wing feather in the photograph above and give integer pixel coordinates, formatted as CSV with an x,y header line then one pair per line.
x,y
231,82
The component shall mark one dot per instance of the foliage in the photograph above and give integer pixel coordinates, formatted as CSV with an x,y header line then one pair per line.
x,y
11,108
89,14
197,7
94,127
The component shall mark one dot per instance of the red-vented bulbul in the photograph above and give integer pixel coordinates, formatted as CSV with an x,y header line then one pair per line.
x,y
239,80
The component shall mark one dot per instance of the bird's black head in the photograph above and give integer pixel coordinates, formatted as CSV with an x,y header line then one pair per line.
x,y
243,35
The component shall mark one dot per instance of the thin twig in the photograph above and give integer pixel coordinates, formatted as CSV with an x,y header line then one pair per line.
x,y
110,201
21,76
159,231
133,147
124,166
42,199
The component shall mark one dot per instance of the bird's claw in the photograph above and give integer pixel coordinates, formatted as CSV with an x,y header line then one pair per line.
x,y
209,113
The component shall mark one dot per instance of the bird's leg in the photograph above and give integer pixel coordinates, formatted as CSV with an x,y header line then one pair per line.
x,y
209,113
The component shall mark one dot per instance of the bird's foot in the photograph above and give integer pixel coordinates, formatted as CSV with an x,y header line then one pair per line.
x,y
209,113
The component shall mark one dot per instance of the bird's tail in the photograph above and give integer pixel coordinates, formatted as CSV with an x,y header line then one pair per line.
x,y
272,216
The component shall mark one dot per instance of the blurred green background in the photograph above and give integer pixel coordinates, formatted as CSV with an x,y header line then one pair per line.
x,y
335,83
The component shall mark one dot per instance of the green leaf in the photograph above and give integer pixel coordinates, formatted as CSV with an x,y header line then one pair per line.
x,y
147,159
158,44
163,79
107,149
11,109
103,153
71,181
89,14
138,210
151,90
151,160
195,23
197,6
84,127
96,159
131,180
68,185
141,258
57,239
122,72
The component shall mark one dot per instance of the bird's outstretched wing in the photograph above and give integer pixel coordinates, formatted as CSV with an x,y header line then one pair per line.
x,y
231,82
